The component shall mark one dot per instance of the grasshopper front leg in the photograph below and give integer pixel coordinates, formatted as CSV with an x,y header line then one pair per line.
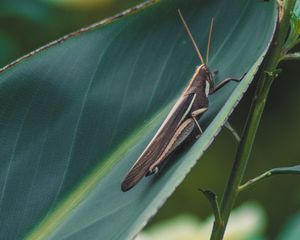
x,y
225,81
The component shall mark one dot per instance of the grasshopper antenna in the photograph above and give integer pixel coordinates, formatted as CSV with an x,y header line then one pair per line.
x,y
191,36
209,40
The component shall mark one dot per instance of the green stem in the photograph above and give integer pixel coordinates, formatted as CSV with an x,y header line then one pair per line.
x,y
213,200
291,56
294,170
255,180
267,76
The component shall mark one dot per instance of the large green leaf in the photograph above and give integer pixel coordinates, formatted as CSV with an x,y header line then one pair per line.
x,y
75,116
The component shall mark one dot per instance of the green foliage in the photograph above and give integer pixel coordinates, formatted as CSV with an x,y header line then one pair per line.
x,y
293,38
8,47
247,222
294,35
76,116
291,230
31,24
297,9
285,170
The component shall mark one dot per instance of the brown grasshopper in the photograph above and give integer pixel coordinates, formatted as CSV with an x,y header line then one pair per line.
x,y
181,121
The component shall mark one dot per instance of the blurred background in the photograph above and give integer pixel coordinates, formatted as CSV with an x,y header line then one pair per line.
x,y
28,24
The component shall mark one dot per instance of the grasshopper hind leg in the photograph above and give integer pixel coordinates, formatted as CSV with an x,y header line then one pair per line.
x,y
154,171
182,133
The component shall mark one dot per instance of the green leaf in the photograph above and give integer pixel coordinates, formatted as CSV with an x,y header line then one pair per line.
x,y
33,10
293,38
286,170
8,47
297,9
291,230
76,115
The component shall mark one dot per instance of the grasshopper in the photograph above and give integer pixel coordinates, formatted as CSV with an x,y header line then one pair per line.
x,y
182,120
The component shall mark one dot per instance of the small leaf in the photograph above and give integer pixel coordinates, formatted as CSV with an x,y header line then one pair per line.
x,y
297,9
293,38
286,170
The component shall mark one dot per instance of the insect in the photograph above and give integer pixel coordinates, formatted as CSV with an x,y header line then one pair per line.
x,y
182,120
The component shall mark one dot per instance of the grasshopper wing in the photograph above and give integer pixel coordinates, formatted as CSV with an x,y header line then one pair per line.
x,y
159,142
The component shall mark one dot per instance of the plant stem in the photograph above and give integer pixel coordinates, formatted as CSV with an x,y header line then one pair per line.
x,y
213,200
255,180
268,74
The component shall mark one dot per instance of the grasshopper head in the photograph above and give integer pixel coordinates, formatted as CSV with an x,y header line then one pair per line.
x,y
209,80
